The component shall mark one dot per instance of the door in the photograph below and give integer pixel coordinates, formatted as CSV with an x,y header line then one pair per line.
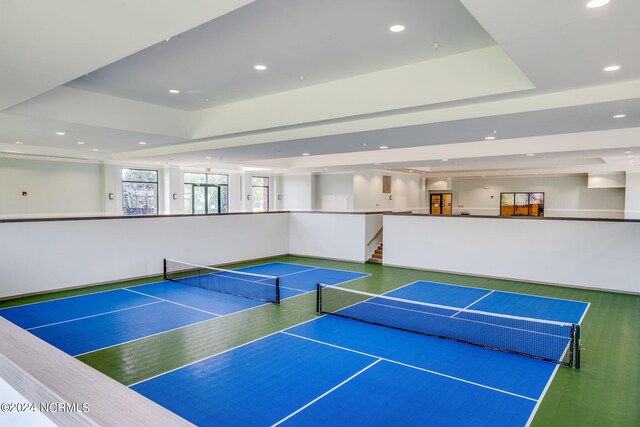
x,y
205,198
436,204
441,204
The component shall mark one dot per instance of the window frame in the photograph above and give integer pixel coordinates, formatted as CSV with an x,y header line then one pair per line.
x,y
265,188
207,183
128,181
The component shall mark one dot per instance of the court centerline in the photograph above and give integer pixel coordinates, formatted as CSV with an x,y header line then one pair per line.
x,y
497,315
222,352
173,302
304,265
478,300
92,315
505,292
411,366
302,408
446,307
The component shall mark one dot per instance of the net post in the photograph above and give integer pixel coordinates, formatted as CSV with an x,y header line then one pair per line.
x,y
164,268
577,347
319,298
277,290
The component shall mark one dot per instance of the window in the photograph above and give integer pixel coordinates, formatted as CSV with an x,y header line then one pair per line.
x,y
206,193
521,204
260,193
139,192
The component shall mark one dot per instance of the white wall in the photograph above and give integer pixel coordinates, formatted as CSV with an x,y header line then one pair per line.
x,y
298,192
54,188
565,196
632,196
334,192
328,235
591,254
368,195
46,255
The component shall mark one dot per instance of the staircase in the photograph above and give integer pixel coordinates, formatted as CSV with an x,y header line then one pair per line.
x,y
376,258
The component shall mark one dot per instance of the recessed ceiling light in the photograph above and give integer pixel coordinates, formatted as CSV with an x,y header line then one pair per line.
x,y
207,99
305,154
489,138
628,152
597,3
619,116
174,91
411,171
612,68
80,143
383,147
530,154
61,132
95,149
142,143
19,142
396,28
260,67
445,160
208,157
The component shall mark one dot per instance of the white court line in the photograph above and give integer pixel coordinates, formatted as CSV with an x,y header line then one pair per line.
x,y
465,320
506,292
146,336
61,298
412,366
478,300
544,392
301,271
173,329
93,315
311,267
584,313
173,302
222,352
326,393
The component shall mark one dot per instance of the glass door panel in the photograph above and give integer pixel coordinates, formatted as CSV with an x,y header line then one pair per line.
x,y
507,204
446,204
436,203
522,204
199,205
213,198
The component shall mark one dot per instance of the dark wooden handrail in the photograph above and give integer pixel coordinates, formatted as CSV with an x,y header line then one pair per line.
x,y
375,236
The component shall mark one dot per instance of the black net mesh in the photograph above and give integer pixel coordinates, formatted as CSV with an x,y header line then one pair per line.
x,y
248,285
540,339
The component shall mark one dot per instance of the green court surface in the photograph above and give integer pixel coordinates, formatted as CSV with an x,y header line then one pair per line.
x,y
606,391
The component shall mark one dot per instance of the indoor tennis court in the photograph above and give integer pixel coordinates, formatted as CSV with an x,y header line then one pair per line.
x,y
127,314
319,372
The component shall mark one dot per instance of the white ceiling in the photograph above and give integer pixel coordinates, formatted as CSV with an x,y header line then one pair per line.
x,y
532,71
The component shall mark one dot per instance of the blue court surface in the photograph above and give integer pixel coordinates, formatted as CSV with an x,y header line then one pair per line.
x,y
86,323
337,371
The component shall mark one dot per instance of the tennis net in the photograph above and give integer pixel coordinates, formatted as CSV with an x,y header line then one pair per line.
x,y
539,339
248,285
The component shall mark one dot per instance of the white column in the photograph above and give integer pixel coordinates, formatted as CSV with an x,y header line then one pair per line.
x,y
632,196
112,189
